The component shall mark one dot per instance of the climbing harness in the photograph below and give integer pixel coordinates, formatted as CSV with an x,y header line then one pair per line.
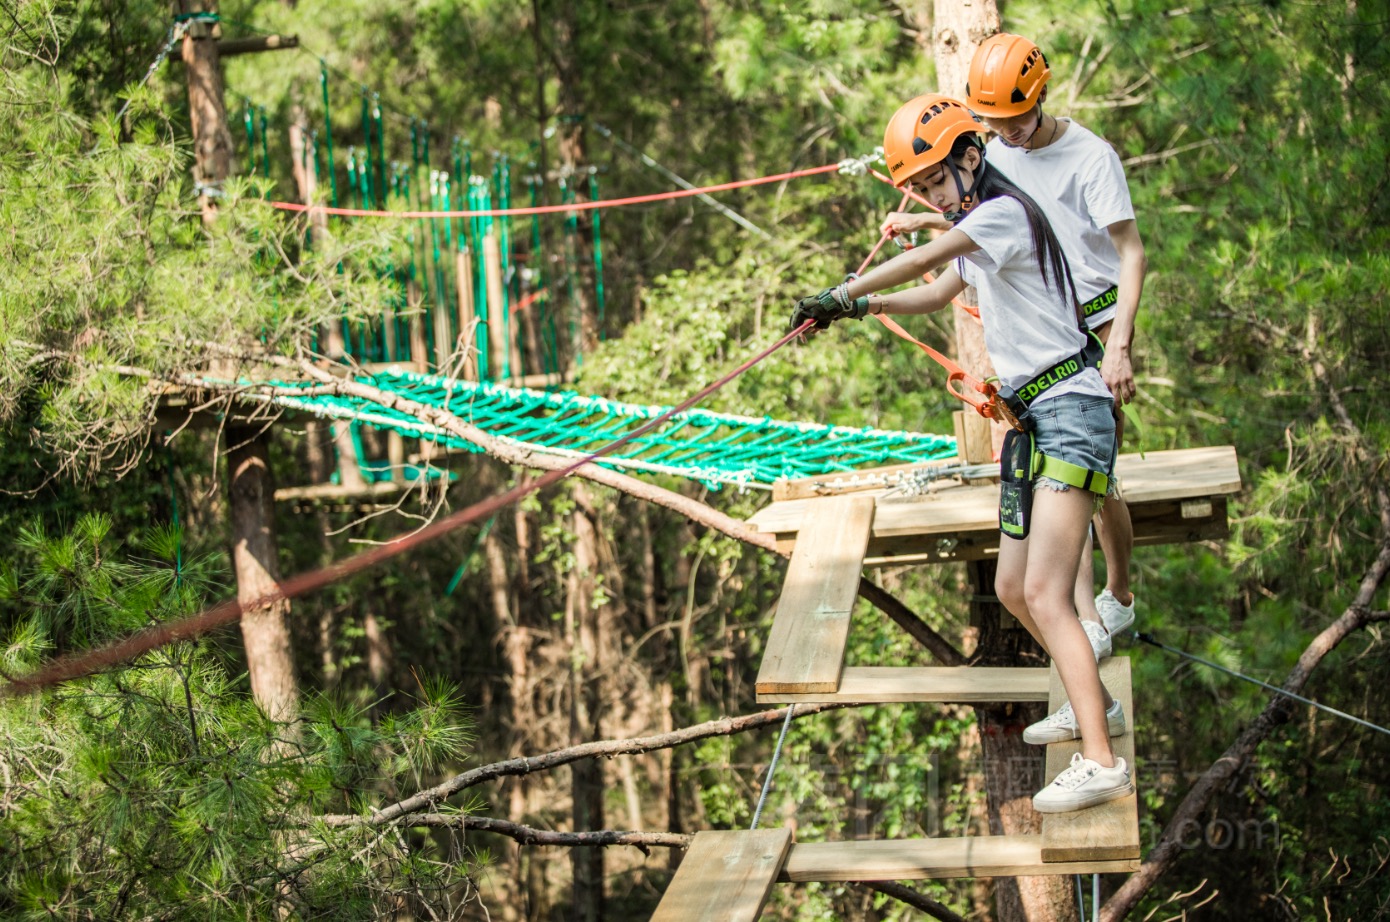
x,y
1101,301
1018,401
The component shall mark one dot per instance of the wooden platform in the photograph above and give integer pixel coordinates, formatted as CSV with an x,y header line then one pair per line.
x,y
1173,496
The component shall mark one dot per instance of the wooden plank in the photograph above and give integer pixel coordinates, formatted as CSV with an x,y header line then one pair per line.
x,y
726,876
1110,830
934,684
806,647
923,859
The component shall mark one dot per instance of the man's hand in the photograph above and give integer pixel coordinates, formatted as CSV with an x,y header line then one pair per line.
x,y
901,222
1115,368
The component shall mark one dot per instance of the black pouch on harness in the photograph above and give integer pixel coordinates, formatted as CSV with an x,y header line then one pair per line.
x,y
1016,484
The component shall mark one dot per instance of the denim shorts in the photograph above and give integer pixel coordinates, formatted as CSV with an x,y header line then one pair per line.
x,y
1076,428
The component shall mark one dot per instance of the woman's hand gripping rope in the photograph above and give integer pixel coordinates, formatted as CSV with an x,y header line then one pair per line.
x,y
829,305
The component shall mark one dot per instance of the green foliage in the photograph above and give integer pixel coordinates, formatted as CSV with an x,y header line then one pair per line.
x,y
159,788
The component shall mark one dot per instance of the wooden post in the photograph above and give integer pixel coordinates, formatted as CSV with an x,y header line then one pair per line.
x,y
251,488
349,470
531,328
467,314
496,335
419,345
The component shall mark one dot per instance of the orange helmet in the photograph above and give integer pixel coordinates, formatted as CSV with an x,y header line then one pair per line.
x,y
1007,76
921,133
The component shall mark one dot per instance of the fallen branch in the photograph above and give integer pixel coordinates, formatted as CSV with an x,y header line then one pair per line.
x,y
529,835
725,726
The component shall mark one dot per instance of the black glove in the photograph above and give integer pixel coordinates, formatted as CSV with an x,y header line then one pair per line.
x,y
827,307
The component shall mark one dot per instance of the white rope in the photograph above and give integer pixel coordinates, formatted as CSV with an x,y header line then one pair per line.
x,y
772,767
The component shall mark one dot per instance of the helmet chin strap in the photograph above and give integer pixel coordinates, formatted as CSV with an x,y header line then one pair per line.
x,y
967,196
1023,145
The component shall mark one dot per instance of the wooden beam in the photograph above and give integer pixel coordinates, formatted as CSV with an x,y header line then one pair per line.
x,y
337,492
1109,831
726,876
926,859
231,47
927,684
806,647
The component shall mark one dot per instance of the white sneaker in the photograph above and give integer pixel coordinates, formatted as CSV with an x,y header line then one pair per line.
x,y
1061,726
1115,616
1099,638
1084,784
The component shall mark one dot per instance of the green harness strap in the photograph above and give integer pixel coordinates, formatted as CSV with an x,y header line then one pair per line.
x,y
1073,474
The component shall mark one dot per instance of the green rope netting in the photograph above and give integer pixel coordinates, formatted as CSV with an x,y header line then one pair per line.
x,y
712,448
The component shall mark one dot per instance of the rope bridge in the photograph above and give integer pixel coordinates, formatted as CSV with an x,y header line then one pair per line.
x,y
712,448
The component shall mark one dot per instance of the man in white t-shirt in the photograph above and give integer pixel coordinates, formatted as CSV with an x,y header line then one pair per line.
x,y
1077,180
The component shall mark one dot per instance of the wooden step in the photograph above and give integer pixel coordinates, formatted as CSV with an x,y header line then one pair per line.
x,y
806,646
922,859
726,876
1109,831
930,684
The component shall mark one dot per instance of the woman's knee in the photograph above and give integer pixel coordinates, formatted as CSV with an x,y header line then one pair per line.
x,y
1010,594
1047,597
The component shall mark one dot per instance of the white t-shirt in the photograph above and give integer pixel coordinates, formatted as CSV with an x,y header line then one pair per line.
x,y
1028,327
1080,185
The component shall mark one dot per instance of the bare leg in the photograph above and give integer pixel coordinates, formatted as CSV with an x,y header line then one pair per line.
x,y
1085,594
1046,562
1116,531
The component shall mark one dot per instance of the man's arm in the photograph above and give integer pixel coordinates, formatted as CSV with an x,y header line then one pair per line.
x,y
910,222
1116,369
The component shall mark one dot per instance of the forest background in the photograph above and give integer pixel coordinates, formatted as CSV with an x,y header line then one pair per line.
x,y
1256,141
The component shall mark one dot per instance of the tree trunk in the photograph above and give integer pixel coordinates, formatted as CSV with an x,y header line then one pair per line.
x,y
586,702
574,161
264,631
321,461
207,112
1012,768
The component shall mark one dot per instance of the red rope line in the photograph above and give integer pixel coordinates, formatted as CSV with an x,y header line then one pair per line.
x,y
77,665
557,209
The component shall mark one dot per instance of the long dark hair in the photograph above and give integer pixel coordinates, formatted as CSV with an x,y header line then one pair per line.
x,y
1052,262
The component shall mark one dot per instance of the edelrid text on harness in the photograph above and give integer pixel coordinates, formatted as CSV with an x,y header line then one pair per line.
x,y
1100,302
1019,400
